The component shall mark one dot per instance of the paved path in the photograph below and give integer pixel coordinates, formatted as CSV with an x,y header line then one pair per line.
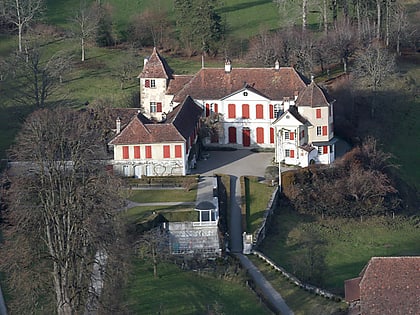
x,y
236,164
269,292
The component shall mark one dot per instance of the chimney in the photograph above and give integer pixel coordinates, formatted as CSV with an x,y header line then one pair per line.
x,y
312,78
118,121
277,65
145,60
228,66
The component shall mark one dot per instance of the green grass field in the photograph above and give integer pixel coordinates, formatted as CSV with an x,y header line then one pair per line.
x,y
258,196
162,195
186,292
349,243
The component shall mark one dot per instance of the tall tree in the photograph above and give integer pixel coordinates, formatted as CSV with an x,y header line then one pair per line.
x,y
85,25
62,219
22,13
372,67
200,26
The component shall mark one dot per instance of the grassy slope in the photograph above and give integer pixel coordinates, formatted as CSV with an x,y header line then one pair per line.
x,y
350,243
180,292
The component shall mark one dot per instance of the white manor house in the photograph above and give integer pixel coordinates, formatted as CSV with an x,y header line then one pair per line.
x,y
253,107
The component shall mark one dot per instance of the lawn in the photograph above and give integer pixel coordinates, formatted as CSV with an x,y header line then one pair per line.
x,y
257,197
300,301
349,244
162,195
176,291
171,213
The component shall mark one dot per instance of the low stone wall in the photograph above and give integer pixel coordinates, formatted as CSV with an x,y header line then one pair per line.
x,y
296,281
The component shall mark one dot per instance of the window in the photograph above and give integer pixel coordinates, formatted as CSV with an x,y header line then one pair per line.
x,y
178,151
136,152
245,111
152,83
331,148
245,93
153,107
207,109
325,149
287,153
260,135
318,130
147,83
231,111
292,136
278,110
324,130
159,107
318,113
125,152
271,135
271,111
166,151
148,151
259,111
320,150
287,135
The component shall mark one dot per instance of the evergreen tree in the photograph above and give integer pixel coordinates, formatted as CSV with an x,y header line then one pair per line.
x,y
200,27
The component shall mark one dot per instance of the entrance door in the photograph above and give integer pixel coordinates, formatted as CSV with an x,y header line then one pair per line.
x,y
232,135
246,137
137,171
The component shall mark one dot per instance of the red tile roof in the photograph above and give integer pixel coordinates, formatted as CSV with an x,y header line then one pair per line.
x,y
216,83
156,67
351,289
391,285
312,96
178,126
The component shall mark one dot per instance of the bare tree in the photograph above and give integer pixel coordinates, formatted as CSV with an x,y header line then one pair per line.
x,y
62,213
343,42
372,67
150,28
86,25
154,245
32,78
22,13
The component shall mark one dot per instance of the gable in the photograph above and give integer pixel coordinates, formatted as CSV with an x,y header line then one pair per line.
x,y
246,94
291,118
156,67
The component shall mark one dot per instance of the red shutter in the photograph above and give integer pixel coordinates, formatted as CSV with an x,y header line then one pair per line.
x,y
318,113
324,130
260,111
231,111
245,111
271,135
147,83
271,111
125,152
207,110
159,107
137,152
292,136
325,149
215,108
292,153
260,135
178,151
303,133
148,152
166,151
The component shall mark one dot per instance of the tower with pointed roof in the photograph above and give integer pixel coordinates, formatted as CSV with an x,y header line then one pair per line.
x,y
154,81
